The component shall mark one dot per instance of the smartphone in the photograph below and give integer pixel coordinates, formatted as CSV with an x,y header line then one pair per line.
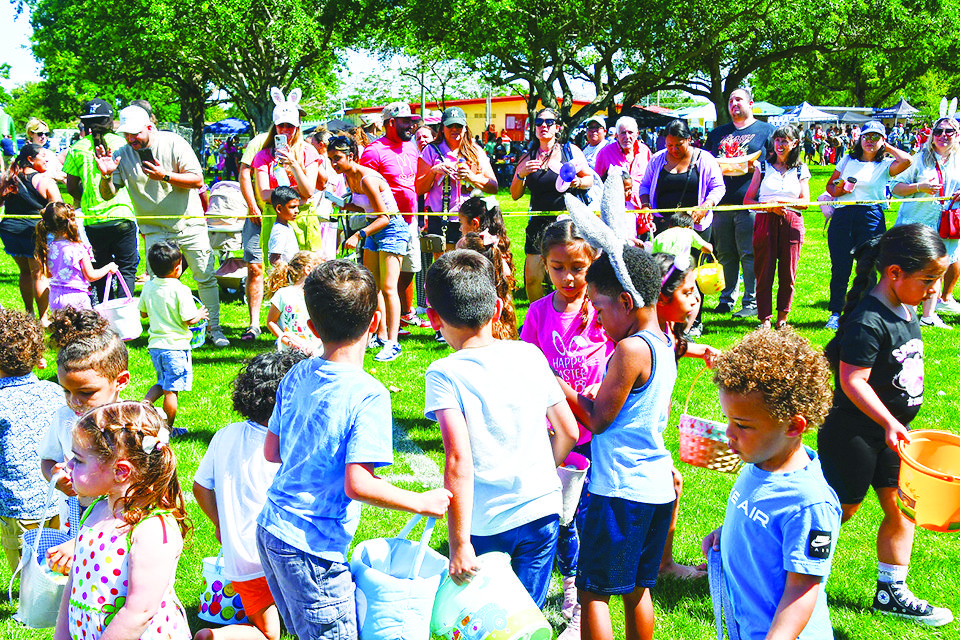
x,y
280,143
335,199
146,156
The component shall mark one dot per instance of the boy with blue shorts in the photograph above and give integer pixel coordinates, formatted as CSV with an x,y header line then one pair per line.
x,y
169,305
631,482
493,399
331,427
783,519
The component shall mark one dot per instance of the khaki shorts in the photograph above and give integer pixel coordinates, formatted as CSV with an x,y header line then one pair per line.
x,y
410,263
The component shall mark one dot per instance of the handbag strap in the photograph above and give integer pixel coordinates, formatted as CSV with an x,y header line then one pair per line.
x,y
36,540
123,286
424,540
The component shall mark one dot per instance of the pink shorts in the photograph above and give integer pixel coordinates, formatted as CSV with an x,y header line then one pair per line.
x,y
60,298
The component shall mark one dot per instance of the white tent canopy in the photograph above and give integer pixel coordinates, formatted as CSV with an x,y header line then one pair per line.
x,y
806,112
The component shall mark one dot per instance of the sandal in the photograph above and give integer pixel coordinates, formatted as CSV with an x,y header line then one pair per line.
x,y
252,333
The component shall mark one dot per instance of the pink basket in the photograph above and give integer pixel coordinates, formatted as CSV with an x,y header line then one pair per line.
x,y
703,443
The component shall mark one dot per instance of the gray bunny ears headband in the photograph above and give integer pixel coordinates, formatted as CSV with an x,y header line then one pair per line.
x,y
610,232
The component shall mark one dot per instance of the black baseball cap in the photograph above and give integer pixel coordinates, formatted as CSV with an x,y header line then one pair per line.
x,y
96,109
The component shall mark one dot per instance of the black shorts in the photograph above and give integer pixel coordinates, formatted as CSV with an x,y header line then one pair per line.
x,y
20,244
855,456
534,233
449,229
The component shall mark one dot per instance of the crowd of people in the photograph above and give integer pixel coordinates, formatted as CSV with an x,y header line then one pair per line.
x,y
614,306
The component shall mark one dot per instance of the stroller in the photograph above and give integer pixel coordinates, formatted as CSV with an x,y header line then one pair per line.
x,y
225,217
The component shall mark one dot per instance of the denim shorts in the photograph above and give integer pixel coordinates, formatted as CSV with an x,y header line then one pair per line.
x,y
531,548
621,545
250,238
394,238
174,369
315,597
20,245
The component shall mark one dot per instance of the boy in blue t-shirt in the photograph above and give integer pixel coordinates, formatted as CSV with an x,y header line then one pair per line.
x,y
631,482
492,399
331,427
782,521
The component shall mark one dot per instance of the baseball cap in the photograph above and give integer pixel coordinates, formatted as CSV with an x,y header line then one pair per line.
x,y
368,119
398,110
286,113
133,120
874,126
599,120
452,116
96,109
433,117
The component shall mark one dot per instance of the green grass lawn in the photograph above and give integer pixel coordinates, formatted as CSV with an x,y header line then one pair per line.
x,y
683,609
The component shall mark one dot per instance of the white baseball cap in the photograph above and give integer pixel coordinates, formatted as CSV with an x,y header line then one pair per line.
x,y
133,120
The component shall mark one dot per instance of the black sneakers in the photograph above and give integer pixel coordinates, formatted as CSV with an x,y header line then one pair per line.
x,y
895,598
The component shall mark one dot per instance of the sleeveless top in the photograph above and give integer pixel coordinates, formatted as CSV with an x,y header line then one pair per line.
x,y
26,201
630,460
361,200
100,582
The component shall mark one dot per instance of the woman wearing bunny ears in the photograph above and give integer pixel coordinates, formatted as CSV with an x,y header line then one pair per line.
x,y
935,171
293,163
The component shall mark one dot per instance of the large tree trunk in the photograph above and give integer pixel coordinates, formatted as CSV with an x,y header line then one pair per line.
x,y
193,106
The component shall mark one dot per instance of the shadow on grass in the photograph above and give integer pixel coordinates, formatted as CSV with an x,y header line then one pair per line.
x,y
673,593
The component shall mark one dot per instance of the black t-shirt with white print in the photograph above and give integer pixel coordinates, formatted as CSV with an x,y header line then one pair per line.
x,y
726,141
875,336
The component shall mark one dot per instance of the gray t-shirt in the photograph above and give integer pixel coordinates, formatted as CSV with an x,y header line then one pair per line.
x,y
155,197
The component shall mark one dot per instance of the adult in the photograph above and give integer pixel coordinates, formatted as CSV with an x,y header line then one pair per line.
x,y
629,156
24,191
38,132
934,171
384,238
681,176
448,170
861,175
395,156
231,158
596,128
745,138
780,178
110,225
162,175
250,236
537,170
8,137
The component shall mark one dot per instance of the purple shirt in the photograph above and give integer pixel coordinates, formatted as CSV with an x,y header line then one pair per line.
x,y
710,185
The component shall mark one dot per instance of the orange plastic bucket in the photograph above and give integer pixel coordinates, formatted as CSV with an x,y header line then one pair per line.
x,y
929,491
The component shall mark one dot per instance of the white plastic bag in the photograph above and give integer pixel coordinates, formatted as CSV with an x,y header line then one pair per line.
x,y
397,580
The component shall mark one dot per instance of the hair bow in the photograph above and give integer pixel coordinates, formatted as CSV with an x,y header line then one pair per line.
x,y
150,443
680,263
490,202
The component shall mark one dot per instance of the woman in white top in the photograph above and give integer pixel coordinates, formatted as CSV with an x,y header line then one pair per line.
x,y
862,175
934,171
38,132
778,232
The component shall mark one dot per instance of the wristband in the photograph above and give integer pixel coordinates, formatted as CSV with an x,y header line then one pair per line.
x,y
362,234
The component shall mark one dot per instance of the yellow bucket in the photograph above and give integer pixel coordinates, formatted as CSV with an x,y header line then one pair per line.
x,y
929,491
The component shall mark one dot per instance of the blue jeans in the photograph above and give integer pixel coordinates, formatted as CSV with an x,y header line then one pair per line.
x,y
733,242
315,597
850,226
531,548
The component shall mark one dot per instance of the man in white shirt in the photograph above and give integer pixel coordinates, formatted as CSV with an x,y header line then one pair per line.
x,y
596,140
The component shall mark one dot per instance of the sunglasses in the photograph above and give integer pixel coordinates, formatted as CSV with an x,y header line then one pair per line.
x,y
41,133
945,132
544,121
872,137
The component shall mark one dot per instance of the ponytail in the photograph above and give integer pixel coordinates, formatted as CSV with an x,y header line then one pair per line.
x,y
284,275
56,217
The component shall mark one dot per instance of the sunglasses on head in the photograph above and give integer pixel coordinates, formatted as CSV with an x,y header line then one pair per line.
x,y
545,121
949,132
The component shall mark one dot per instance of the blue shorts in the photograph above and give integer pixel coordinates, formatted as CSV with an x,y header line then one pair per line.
x,y
314,596
394,238
621,545
174,369
20,245
531,548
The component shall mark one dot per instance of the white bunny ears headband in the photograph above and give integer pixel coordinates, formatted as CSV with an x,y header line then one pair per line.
x,y
948,111
609,232
287,110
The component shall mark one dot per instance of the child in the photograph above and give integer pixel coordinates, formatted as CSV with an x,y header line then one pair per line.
x,y
877,355
678,303
131,538
500,460
27,408
782,519
631,484
564,326
504,327
170,307
92,369
482,214
681,239
283,241
288,318
66,260
233,500
330,428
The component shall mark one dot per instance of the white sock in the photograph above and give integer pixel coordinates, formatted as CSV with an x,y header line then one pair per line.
x,y
891,572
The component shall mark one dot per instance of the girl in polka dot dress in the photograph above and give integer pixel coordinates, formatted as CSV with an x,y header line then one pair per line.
x,y
121,581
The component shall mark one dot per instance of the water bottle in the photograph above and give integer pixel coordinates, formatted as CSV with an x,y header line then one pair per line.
x,y
283,180
568,173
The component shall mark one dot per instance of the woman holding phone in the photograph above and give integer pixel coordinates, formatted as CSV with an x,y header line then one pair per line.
x,y
861,175
385,238
537,170
934,171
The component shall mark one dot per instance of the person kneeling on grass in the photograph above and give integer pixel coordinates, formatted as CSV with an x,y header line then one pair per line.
x,y
780,530
233,500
